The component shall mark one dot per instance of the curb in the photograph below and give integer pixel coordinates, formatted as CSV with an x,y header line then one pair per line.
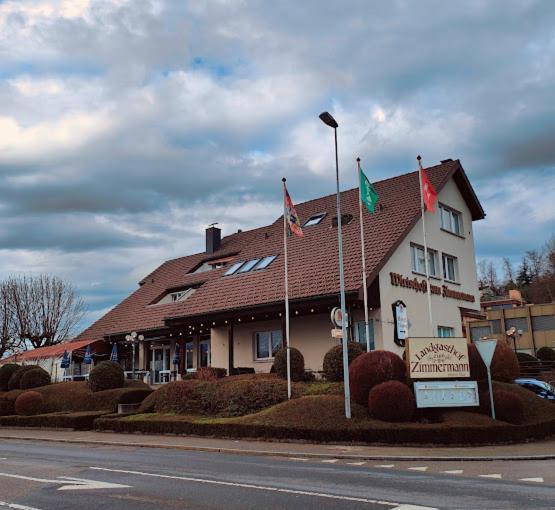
x,y
269,453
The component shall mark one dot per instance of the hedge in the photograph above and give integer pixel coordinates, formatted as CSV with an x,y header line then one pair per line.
x,y
297,364
546,353
34,379
6,371
391,401
15,380
504,365
29,403
333,360
107,375
75,421
389,434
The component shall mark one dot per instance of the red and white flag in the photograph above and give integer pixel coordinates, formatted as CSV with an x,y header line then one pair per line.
x,y
291,216
429,194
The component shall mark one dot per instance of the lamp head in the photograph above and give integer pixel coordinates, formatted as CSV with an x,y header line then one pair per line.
x,y
327,119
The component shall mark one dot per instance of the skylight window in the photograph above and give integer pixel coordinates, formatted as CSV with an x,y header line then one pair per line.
x,y
315,219
249,265
265,262
233,268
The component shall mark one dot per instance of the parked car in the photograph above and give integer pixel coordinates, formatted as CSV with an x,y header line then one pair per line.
x,y
541,388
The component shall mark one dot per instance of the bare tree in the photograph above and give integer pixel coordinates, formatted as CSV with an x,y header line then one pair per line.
x,y
8,339
535,263
508,272
45,309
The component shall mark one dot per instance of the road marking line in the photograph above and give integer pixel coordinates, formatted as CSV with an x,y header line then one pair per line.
x,y
384,465
493,475
356,463
453,471
300,459
330,461
537,480
17,507
397,506
419,468
69,483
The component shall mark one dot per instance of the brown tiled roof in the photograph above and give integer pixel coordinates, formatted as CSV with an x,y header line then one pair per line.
x,y
313,259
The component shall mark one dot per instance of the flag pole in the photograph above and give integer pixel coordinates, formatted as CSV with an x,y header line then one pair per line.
x,y
363,255
286,291
429,293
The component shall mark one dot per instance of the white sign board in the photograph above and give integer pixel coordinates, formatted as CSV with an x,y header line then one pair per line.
x,y
486,348
438,358
402,321
337,333
446,394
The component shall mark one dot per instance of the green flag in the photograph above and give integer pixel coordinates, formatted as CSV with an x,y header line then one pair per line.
x,y
368,193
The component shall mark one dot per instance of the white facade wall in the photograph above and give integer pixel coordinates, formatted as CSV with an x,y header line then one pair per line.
x,y
445,311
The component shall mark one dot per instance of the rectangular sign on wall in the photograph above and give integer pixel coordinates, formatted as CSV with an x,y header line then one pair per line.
x,y
446,394
438,358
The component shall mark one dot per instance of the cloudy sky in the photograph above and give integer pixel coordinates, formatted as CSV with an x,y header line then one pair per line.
x,y
127,126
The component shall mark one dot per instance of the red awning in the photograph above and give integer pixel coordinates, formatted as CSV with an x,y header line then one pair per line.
x,y
52,351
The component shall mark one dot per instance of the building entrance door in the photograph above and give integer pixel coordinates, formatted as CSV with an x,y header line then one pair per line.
x,y
160,364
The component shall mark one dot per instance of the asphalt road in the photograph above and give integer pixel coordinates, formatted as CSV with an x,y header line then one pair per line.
x,y
58,476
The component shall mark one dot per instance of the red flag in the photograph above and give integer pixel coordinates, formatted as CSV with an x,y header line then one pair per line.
x,y
291,215
429,194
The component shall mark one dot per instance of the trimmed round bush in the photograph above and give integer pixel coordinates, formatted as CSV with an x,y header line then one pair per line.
x,y
15,380
29,403
333,360
107,375
6,407
546,354
134,396
391,401
6,371
297,364
34,379
504,365
372,368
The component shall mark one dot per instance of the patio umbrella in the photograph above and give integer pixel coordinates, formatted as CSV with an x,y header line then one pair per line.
x,y
114,355
65,360
176,355
87,360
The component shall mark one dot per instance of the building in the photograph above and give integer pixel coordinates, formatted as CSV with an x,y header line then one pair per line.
x,y
534,325
513,300
224,307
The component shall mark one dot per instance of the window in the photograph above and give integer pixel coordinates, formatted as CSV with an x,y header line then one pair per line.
x,y
267,343
314,220
417,260
445,332
519,323
360,333
189,350
233,268
450,220
265,262
345,220
181,295
204,353
450,268
543,322
479,332
247,266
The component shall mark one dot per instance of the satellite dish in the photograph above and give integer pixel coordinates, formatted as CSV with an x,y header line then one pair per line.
x,y
511,331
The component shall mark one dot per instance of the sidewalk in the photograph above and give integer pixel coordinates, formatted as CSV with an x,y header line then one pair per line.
x,y
543,450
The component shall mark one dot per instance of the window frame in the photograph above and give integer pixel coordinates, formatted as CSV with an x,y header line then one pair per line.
x,y
452,213
248,266
317,218
445,328
362,324
259,265
234,268
456,268
414,247
270,344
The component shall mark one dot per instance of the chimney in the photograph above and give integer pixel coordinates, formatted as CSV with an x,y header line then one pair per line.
x,y
213,238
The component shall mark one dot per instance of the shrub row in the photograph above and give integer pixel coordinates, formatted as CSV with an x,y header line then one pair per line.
x,y
390,434
15,377
75,421
233,397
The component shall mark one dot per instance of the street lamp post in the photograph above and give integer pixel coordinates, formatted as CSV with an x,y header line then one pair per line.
x,y
132,340
327,119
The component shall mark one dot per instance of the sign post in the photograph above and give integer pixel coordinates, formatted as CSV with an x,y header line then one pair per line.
x,y
486,348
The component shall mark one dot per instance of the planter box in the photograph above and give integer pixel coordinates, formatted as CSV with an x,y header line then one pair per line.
x,y
128,408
